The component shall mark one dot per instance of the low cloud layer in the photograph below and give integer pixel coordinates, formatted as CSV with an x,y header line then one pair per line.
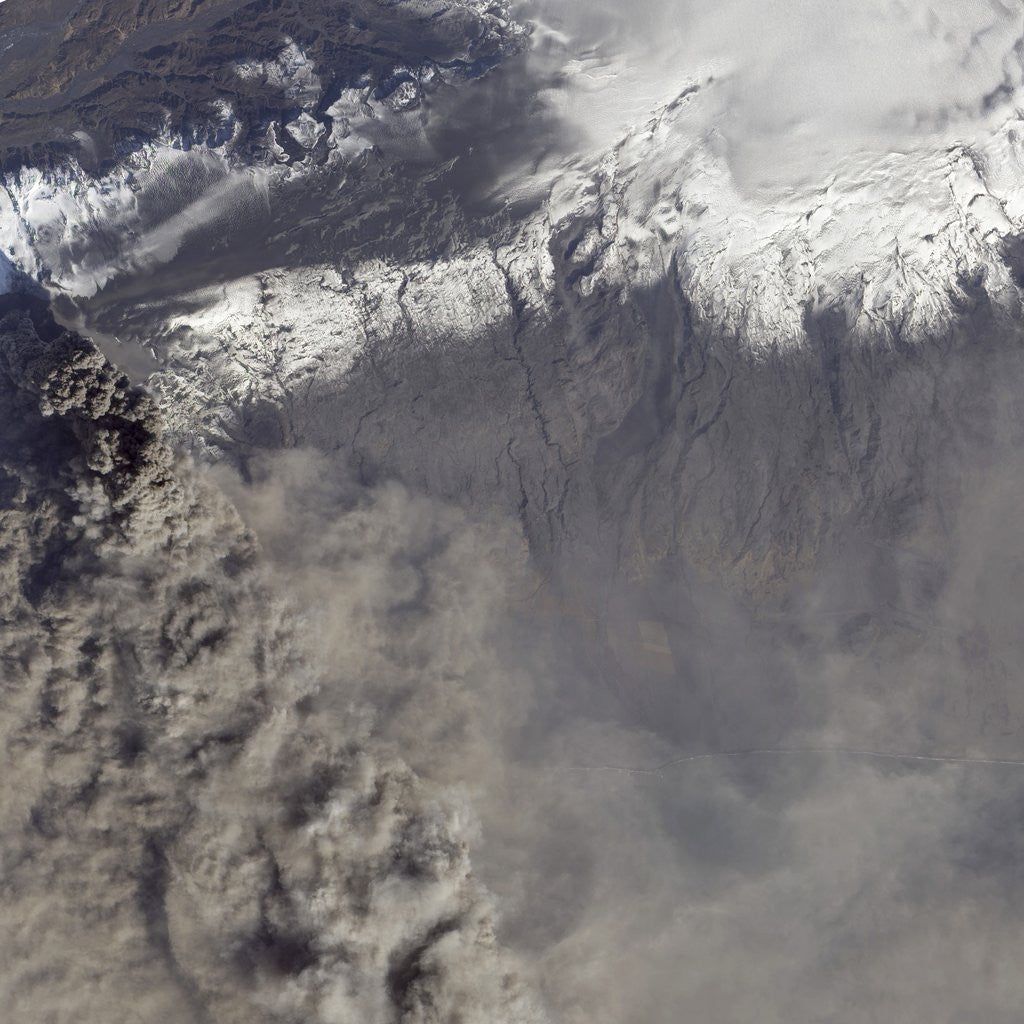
x,y
804,882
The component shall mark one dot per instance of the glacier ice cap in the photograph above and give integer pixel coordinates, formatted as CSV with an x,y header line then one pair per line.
x,y
799,84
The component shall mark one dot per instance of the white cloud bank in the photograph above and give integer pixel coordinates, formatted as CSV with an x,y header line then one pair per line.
x,y
799,84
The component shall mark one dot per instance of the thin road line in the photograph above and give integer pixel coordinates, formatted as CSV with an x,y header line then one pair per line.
x,y
797,751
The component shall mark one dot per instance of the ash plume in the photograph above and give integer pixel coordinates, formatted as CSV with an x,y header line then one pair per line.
x,y
190,834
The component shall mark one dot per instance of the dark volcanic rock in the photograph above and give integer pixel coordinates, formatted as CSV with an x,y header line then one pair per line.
x,y
122,72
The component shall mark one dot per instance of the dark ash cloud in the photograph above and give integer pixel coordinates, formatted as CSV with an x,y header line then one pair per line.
x,y
189,836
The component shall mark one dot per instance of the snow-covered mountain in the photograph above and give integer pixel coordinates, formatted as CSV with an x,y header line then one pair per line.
x,y
900,244
298,302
